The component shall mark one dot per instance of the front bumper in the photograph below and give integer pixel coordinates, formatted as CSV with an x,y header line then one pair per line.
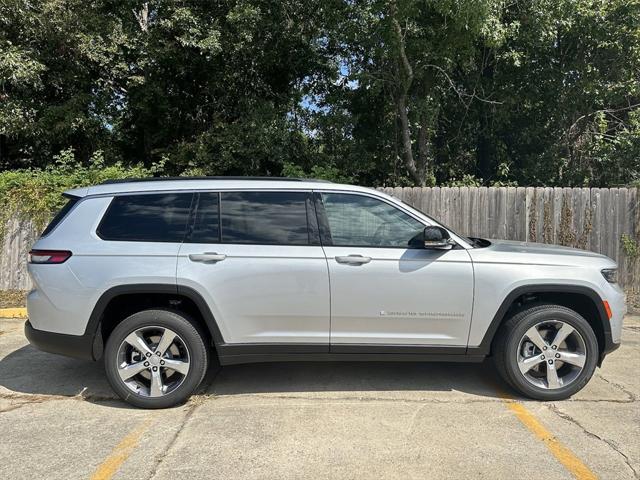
x,y
613,335
609,346
86,347
618,305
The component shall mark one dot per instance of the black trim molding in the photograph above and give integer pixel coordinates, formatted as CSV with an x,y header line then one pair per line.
x,y
77,346
347,357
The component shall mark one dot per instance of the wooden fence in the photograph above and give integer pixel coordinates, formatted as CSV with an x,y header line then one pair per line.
x,y
594,219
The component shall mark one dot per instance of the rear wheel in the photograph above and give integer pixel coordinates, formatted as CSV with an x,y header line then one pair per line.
x,y
546,352
155,358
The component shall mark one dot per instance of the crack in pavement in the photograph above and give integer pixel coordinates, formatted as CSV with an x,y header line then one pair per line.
x,y
355,398
192,405
31,399
631,395
16,406
554,408
162,455
403,400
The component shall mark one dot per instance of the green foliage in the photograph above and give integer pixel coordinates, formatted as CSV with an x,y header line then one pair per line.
x,y
542,92
630,246
322,172
36,193
465,181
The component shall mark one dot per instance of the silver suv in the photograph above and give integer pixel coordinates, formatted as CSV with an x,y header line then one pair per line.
x,y
163,277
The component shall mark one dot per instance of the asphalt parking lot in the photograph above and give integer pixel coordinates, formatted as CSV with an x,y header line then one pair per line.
x,y
59,419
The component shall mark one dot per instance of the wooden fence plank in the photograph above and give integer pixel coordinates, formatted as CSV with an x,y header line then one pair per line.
x,y
484,215
465,209
596,218
511,213
624,222
521,214
530,213
556,212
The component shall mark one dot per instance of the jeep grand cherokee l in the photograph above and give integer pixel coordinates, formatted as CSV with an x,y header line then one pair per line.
x,y
159,278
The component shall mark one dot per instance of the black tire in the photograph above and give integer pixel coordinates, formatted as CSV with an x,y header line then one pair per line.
x,y
506,343
189,333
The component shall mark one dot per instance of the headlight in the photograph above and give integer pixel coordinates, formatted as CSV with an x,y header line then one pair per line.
x,y
610,275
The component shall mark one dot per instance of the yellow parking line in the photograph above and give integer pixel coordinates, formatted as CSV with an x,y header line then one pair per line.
x,y
565,456
120,453
13,313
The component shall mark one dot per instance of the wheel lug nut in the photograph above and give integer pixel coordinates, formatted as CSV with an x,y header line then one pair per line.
x,y
557,355
544,348
161,362
146,364
148,354
155,369
550,362
554,346
158,353
541,357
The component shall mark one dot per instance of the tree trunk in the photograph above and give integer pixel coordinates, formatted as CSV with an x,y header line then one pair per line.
x,y
405,133
404,80
424,162
484,154
485,151
142,17
4,152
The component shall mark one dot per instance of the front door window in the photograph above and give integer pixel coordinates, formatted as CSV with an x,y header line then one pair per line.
x,y
361,221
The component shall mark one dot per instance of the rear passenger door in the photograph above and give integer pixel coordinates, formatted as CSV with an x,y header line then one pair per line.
x,y
255,257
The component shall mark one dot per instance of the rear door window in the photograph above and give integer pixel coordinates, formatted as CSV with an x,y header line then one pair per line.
x,y
264,218
147,218
206,228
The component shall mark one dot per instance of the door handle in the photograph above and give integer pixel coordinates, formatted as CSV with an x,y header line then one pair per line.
x,y
353,259
207,257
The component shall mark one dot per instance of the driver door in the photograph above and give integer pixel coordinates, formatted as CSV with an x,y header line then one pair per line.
x,y
386,288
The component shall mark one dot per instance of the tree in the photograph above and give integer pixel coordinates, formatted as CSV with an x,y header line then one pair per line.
x,y
402,92
411,50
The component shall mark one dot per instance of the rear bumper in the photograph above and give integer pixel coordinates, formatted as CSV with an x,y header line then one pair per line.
x,y
86,347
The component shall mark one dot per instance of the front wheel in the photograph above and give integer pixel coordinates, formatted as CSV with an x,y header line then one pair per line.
x,y
155,358
546,352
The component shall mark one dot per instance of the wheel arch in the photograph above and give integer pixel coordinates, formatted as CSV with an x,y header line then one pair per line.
x,y
584,300
99,325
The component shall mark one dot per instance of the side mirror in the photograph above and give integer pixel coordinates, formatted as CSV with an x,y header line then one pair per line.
x,y
438,238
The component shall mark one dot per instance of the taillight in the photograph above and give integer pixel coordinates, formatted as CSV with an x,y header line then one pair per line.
x,y
49,256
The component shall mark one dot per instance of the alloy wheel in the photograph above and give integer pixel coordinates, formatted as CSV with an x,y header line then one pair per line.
x,y
153,361
551,354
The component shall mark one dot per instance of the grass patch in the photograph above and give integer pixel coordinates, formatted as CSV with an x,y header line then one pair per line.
x,y
12,298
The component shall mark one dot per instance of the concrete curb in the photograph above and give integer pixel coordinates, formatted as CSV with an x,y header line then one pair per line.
x,y
13,313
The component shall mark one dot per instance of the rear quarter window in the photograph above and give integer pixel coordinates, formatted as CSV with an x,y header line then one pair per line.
x,y
60,215
146,218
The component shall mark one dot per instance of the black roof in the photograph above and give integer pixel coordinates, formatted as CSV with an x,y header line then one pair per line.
x,y
161,179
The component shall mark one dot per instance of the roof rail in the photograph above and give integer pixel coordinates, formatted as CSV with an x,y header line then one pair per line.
x,y
162,179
